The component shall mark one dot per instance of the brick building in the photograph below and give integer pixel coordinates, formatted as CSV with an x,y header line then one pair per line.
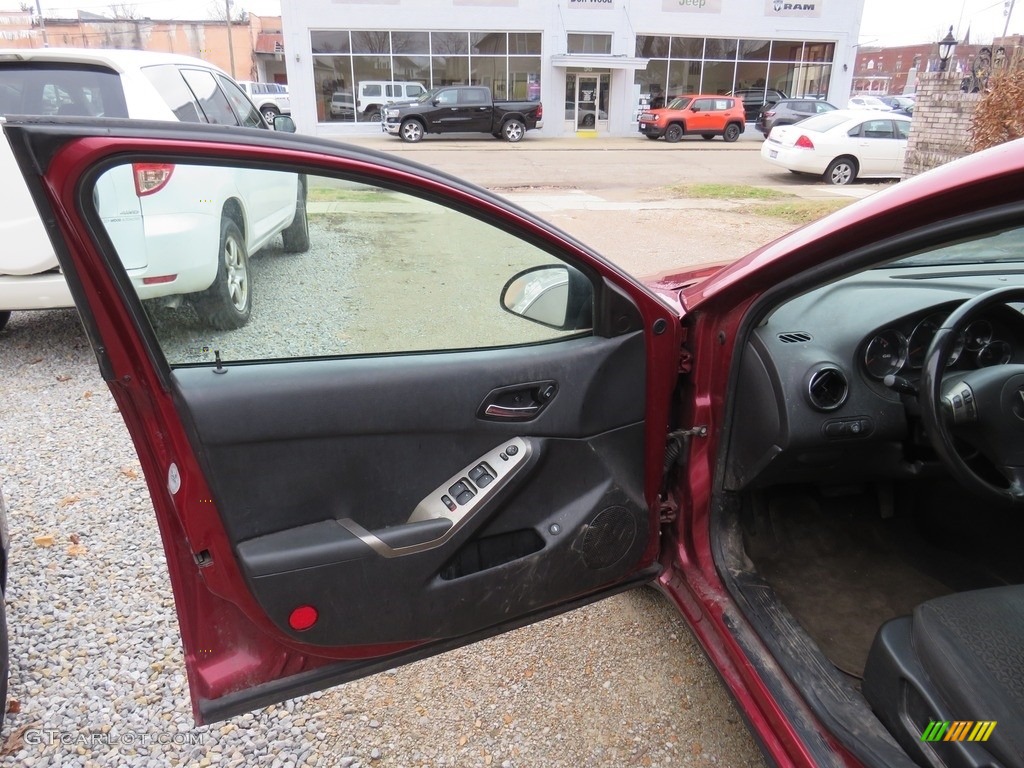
x,y
257,42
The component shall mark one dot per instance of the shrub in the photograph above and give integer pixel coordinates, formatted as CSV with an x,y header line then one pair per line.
x,y
999,116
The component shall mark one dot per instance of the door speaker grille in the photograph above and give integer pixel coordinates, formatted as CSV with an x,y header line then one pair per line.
x,y
608,537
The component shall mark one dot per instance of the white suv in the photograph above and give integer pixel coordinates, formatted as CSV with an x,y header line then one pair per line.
x,y
374,94
244,210
271,99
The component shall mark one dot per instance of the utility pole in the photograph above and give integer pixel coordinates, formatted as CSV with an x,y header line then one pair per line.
x,y
42,24
1008,10
231,44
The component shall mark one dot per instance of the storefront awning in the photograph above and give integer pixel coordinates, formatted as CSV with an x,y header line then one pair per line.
x,y
598,61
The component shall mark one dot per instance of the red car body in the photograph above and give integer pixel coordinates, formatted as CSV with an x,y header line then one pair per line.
x,y
238,657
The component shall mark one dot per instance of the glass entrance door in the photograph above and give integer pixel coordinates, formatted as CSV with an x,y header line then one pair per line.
x,y
586,101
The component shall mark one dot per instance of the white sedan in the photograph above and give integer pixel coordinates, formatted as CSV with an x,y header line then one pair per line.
x,y
841,146
868,102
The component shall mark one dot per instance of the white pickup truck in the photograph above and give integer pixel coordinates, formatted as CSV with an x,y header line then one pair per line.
x,y
245,208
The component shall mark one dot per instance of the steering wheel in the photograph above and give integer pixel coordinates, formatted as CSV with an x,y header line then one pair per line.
x,y
984,408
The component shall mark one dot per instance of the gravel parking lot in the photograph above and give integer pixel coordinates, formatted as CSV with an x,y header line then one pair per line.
x,y
97,676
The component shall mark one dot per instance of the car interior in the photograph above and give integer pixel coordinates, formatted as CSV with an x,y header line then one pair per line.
x,y
869,515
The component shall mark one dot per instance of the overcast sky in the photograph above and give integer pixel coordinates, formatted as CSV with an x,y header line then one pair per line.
x,y
886,22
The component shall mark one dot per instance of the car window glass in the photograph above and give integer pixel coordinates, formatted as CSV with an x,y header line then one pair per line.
x,y
823,122
378,271
902,129
473,96
878,129
44,89
371,90
704,104
447,97
722,104
168,82
244,110
412,91
211,100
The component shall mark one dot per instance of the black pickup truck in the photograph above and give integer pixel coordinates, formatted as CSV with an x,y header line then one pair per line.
x,y
461,109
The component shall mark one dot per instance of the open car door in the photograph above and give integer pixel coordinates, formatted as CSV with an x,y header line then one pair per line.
x,y
444,420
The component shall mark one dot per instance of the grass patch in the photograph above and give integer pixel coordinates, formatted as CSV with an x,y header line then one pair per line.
x,y
799,211
727,192
341,195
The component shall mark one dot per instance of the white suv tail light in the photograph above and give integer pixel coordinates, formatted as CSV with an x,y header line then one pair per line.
x,y
151,177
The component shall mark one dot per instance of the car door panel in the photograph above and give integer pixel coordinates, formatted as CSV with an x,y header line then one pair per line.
x,y
297,486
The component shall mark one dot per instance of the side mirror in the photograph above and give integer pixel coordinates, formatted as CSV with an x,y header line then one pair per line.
x,y
435,102
284,123
558,297
695,108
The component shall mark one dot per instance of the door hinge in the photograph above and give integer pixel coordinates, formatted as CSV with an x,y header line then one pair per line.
x,y
676,452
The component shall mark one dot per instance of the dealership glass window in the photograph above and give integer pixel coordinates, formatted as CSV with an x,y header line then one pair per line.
x,y
754,50
653,46
365,41
447,43
588,43
488,43
410,42
720,65
490,71
330,41
432,59
683,78
524,43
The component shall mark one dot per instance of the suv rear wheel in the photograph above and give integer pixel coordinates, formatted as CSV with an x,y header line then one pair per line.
x,y
227,303
732,132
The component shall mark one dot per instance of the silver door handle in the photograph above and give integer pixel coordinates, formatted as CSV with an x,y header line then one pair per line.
x,y
509,412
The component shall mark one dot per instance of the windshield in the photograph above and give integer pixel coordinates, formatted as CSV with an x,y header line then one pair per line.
x,y
680,103
1000,248
427,96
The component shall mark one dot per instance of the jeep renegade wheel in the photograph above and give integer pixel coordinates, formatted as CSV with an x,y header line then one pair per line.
x,y
673,133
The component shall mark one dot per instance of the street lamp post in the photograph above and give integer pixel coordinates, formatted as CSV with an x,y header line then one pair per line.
x,y
946,47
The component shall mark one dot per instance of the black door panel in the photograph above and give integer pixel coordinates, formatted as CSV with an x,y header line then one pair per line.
x,y
324,473
297,443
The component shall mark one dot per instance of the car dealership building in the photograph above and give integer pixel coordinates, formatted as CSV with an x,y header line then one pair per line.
x,y
592,63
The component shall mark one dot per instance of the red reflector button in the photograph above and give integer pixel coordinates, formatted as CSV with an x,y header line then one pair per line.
x,y
160,279
303,617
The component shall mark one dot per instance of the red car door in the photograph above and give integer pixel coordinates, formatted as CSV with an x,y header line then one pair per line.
x,y
446,420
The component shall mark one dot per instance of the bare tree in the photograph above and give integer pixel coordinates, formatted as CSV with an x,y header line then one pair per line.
x,y
218,10
126,11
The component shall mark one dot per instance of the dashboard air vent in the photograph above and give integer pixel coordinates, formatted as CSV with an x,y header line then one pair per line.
x,y
794,337
827,388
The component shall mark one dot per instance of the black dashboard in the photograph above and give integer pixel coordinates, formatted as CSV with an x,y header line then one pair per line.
x,y
813,401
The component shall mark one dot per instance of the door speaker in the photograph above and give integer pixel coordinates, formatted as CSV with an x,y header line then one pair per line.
x,y
608,537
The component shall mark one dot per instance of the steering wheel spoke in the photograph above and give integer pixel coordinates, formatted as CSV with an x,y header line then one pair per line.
x,y
1015,477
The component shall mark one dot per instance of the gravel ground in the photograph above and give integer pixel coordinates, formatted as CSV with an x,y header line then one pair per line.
x,y
97,674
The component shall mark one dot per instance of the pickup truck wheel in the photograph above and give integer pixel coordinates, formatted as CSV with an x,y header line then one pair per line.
x,y
411,130
513,130
269,113
673,133
227,303
4,317
296,234
732,132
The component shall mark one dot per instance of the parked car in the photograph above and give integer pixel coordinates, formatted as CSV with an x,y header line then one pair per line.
x,y
342,106
754,99
707,116
868,102
789,111
841,146
373,95
241,213
814,452
271,99
462,109
898,102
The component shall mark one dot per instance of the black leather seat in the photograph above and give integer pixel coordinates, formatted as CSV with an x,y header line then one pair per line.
x,y
958,658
